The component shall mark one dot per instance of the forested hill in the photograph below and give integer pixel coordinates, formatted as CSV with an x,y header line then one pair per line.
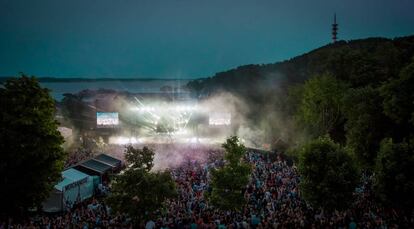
x,y
356,95
361,61
317,93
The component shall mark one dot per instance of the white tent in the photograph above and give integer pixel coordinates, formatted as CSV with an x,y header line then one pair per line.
x,y
75,187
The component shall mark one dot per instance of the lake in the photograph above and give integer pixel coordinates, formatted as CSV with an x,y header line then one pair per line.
x,y
136,86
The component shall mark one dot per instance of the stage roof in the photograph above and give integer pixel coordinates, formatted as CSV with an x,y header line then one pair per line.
x,y
97,166
108,160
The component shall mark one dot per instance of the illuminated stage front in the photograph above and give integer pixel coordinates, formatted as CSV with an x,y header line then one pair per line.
x,y
159,121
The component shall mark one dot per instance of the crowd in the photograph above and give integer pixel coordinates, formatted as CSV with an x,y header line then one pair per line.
x,y
273,201
76,156
86,215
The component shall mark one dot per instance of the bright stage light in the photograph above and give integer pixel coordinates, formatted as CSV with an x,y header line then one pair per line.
x,y
185,108
122,140
143,108
219,119
181,132
163,108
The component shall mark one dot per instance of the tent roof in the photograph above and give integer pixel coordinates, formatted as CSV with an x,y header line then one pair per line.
x,y
74,174
96,166
63,183
108,160
70,176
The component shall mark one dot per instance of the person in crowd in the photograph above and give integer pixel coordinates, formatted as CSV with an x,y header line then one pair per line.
x,y
272,196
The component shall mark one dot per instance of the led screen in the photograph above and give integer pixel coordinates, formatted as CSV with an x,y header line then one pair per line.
x,y
107,119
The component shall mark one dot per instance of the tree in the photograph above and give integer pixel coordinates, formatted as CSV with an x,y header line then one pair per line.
x,y
321,105
229,181
398,103
166,89
394,173
328,174
138,191
366,124
77,112
31,156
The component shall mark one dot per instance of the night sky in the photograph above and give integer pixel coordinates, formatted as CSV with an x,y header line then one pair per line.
x,y
179,38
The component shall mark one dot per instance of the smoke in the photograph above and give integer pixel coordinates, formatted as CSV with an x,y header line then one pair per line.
x,y
170,156
173,155
68,137
241,126
260,117
263,112
259,125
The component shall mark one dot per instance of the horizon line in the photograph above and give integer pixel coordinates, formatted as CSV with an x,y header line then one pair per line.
x,y
54,78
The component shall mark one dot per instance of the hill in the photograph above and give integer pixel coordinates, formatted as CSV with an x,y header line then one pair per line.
x,y
359,60
269,89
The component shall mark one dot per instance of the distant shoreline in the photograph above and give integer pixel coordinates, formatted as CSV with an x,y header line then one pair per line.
x,y
69,80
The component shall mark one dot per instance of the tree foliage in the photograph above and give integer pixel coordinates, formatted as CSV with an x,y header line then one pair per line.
x,y
321,105
398,96
358,92
141,159
394,170
138,191
31,156
366,124
229,182
78,113
359,63
328,174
